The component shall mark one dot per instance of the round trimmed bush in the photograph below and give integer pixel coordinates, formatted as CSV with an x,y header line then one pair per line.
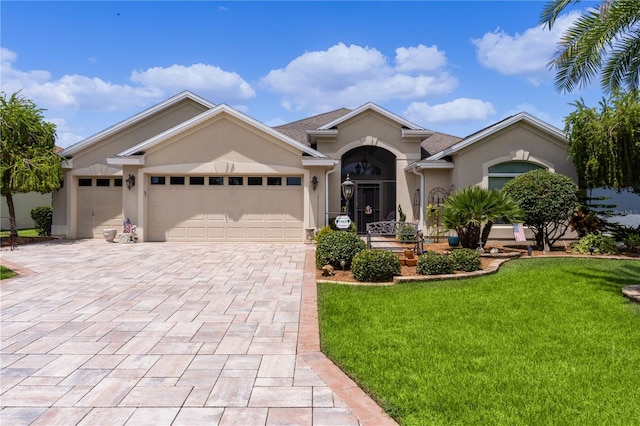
x,y
375,265
322,232
337,246
432,263
465,259
600,243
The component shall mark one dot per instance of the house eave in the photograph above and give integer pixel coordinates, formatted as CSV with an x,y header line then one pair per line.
x,y
318,162
138,160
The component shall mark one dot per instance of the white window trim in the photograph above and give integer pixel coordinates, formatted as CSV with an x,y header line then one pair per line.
x,y
520,155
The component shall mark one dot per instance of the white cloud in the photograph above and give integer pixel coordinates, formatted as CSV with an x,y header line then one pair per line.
x,y
65,137
351,75
524,54
419,58
79,91
200,78
461,109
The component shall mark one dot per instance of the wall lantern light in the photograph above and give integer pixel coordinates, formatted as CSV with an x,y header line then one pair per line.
x,y
347,190
314,182
131,182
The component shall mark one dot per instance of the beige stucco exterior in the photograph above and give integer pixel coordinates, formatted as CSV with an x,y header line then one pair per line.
x,y
210,173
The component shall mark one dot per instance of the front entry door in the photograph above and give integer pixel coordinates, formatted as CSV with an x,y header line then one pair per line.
x,y
368,204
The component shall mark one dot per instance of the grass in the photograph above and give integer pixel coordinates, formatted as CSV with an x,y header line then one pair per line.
x,y
544,341
21,233
6,273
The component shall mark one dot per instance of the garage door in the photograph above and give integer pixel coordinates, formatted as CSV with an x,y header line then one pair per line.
x,y
225,208
99,205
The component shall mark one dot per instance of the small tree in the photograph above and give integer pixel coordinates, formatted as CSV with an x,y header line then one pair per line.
x,y
472,211
29,162
548,200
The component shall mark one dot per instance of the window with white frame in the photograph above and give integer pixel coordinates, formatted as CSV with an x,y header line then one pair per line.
x,y
500,174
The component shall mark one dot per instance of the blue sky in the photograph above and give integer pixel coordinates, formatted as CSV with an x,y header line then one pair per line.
x,y
449,66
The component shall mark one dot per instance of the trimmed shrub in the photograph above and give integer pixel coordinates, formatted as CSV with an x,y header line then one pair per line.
x,y
337,246
375,265
466,260
322,232
42,217
600,243
432,263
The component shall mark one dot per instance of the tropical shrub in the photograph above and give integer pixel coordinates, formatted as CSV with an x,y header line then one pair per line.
x,y
585,221
548,201
433,263
375,265
472,211
406,232
335,247
598,242
466,260
42,217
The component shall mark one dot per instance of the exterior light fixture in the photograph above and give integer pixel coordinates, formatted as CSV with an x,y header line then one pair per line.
x,y
314,182
347,191
131,182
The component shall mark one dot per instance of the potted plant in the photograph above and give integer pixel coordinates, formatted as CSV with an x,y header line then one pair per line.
x,y
453,240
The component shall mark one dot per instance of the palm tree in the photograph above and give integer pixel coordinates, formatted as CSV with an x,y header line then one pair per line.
x,y
472,211
604,40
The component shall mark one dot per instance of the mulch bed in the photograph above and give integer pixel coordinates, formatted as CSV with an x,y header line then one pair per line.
x,y
19,241
410,271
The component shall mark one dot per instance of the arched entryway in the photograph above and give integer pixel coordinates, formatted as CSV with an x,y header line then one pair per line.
x,y
373,170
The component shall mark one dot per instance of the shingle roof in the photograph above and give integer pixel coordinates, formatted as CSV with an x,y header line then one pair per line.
x,y
297,130
439,142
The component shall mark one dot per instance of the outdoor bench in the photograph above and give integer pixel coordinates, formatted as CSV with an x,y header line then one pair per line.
x,y
394,236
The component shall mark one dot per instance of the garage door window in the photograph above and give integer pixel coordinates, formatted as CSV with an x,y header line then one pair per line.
x,y
103,182
294,181
158,180
216,180
196,180
274,181
84,182
235,180
176,180
254,180
117,182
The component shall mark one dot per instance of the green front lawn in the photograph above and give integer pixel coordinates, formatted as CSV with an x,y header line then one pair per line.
x,y
543,341
21,233
6,273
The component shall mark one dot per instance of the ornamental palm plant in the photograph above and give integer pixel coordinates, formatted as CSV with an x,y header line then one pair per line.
x,y
472,211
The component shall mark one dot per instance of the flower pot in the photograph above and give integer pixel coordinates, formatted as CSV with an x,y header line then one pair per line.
x,y
454,241
408,253
412,262
109,234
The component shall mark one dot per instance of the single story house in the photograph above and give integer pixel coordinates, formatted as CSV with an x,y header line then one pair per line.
x,y
189,170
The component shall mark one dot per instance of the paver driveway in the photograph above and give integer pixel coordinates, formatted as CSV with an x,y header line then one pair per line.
x,y
167,333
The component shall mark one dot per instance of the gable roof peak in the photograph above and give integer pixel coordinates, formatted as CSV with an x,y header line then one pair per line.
x,y
71,150
370,106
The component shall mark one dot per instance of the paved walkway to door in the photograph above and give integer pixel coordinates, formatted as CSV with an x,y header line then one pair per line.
x,y
166,333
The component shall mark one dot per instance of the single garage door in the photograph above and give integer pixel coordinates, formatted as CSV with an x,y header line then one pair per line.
x,y
99,205
225,208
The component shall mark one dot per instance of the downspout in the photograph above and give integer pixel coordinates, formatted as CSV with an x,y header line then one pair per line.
x,y
326,194
421,219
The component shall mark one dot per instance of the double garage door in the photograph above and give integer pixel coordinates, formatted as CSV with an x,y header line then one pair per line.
x,y
224,208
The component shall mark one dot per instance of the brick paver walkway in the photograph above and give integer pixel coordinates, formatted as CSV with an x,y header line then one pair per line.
x,y
163,333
